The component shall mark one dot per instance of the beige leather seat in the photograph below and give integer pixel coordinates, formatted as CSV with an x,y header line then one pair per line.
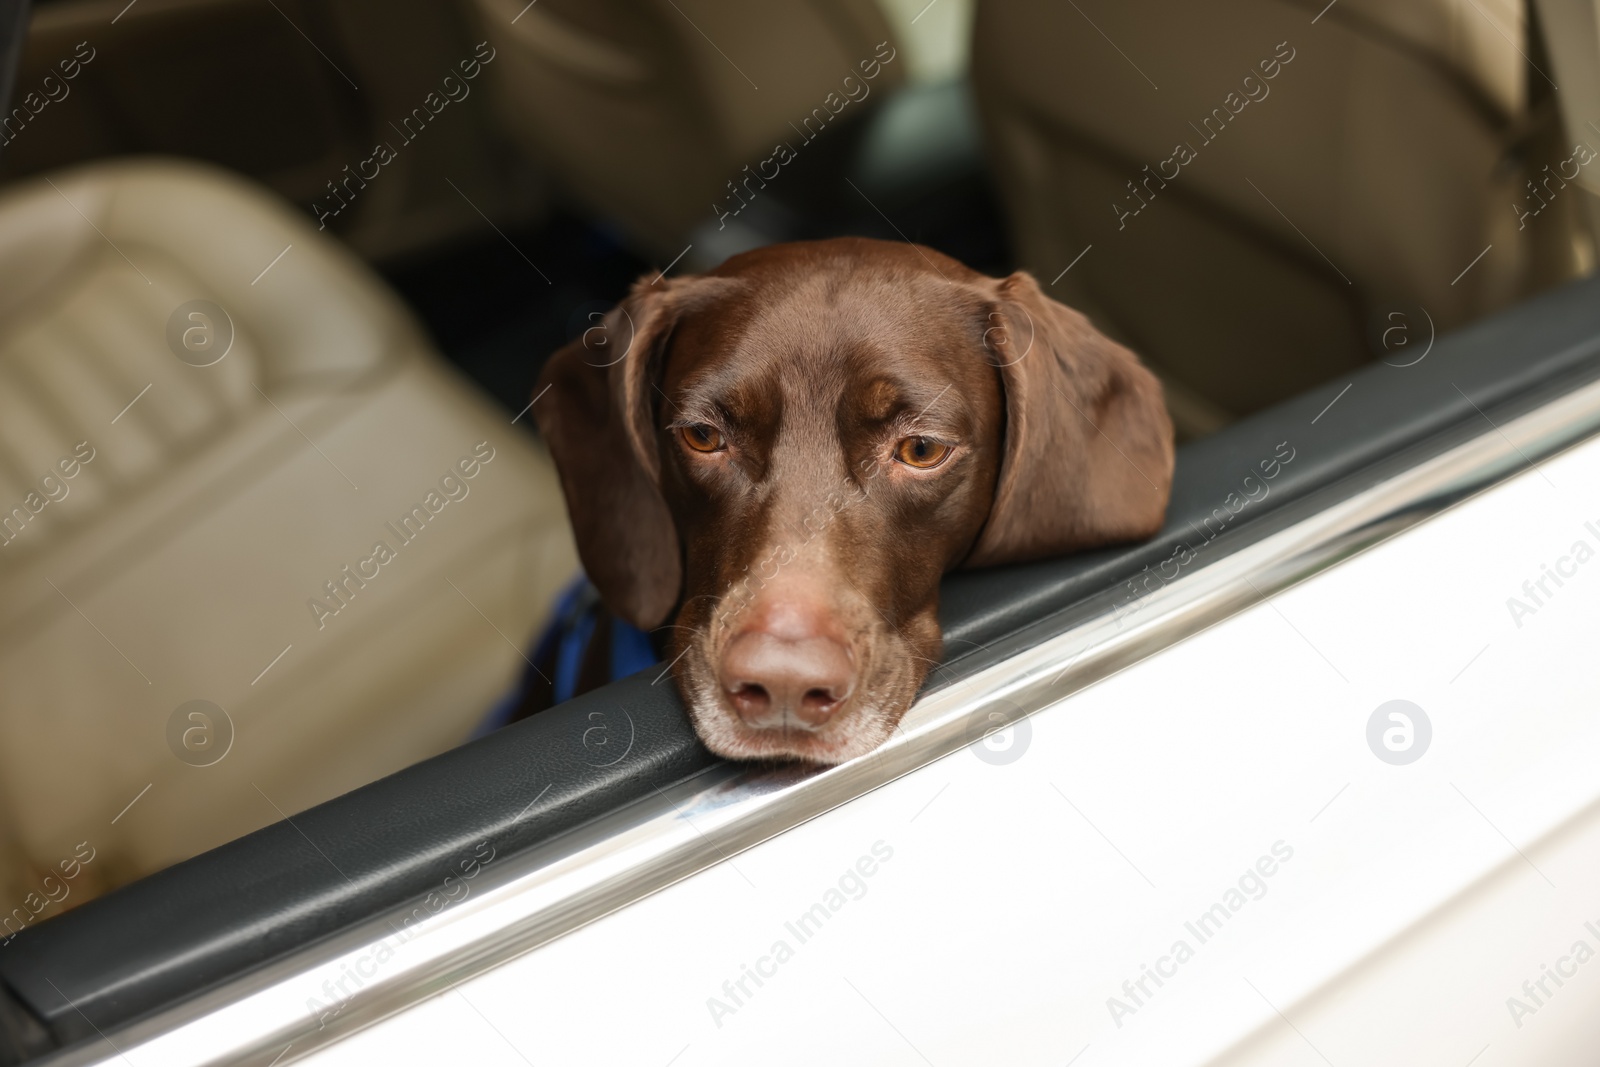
x,y
208,507
646,109
1387,151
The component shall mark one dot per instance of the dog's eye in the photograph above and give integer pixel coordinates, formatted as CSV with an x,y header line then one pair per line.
x,y
923,453
701,438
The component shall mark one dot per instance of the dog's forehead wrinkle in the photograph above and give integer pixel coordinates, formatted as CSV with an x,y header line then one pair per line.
x,y
747,373
811,350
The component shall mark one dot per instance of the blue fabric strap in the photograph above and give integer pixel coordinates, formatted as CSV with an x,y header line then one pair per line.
x,y
564,642
631,651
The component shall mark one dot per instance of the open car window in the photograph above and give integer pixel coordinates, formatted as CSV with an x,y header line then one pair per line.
x,y
264,347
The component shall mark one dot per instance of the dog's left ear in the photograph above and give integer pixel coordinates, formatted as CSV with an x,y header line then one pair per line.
x,y
1088,442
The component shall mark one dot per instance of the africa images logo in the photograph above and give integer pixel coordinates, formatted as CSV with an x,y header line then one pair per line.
x,y
1251,885
850,885
1538,592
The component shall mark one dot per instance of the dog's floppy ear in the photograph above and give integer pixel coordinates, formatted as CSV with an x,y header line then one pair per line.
x,y
1088,442
598,422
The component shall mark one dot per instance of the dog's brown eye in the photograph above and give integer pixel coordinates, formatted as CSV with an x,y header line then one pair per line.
x,y
921,452
701,438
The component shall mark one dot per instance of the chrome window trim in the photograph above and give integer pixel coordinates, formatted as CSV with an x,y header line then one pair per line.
x,y
527,900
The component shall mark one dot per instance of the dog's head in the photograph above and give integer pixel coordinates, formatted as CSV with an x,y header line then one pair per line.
x,y
789,452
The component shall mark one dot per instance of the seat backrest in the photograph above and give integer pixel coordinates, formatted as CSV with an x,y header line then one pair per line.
x,y
646,109
1261,186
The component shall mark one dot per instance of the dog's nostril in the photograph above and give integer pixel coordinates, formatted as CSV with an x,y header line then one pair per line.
x,y
817,706
751,701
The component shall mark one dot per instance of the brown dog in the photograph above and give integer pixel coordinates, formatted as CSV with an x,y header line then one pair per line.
x,y
790,451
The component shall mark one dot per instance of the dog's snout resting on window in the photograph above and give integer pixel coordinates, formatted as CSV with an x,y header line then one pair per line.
x,y
779,460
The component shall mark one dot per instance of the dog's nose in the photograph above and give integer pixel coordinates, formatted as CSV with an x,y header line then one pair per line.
x,y
786,679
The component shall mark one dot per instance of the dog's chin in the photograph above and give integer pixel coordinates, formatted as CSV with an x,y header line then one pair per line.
x,y
854,733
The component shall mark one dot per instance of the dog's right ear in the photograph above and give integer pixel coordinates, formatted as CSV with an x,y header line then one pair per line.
x,y
598,422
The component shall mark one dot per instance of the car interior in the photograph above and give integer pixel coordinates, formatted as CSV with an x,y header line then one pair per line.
x,y
275,275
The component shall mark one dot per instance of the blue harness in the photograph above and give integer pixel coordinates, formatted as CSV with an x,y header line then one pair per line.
x,y
564,641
